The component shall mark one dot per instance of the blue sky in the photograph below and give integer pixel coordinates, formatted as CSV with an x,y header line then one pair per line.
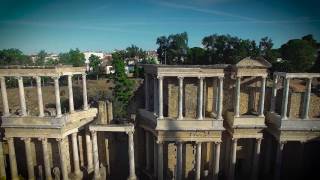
x,y
58,25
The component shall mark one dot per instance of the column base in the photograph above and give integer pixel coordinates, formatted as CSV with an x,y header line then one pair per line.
x,y
76,175
132,178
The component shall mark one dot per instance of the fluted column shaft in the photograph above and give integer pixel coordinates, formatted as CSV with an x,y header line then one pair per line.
x,y
155,95
95,155
84,90
89,152
71,103
179,161
2,164
76,162
277,167
63,159
4,96
13,161
40,98
198,161
200,99
285,99
233,159
180,110
147,150
155,157
146,91
307,100
262,96
160,161
132,172
22,96
216,161
57,94
256,157
160,81
220,98
30,165
46,160
237,97
274,94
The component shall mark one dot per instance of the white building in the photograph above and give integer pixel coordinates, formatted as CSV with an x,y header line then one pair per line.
x,y
88,54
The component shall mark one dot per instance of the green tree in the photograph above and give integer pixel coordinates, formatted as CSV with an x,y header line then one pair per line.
x,y
123,87
300,55
73,57
13,57
41,58
196,55
94,63
135,53
163,43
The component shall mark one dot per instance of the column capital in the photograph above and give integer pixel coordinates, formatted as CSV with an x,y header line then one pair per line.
x,y
70,75
43,139
180,77
200,77
159,142
129,131
178,142
2,78
18,77
235,139
59,139
217,142
93,131
220,77
258,140
27,139
199,142
83,74
55,77
160,77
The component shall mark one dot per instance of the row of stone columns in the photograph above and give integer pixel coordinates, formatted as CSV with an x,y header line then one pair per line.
x,y
238,94
62,152
285,98
158,102
40,97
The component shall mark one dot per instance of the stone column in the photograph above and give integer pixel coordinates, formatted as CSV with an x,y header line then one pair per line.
x,y
12,158
277,167
57,94
4,97
46,160
266,168
200,99
89,152
274,94
155,95
76,162
233,159
285,99
40,99
262,96
219,115
2,164
180,110
160,160
307,99
160,81
237,97
71,103
95,155
216,161
147,150
256,157
84,89
198,161
30,166
155,157
22,96
179,161
146,91
132,172
80,150
63,159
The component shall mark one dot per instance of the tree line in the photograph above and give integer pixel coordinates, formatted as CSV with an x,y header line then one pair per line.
x,y
297,55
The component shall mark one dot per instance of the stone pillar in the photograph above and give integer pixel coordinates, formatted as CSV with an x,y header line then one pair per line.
x,y
233,159
180,110
155,157
12,158
200,99
132,172
30,166
2,162
160,81
266,168
285,99
89,152
198,161
179,161
71,103
155,95
80,150
22,96
95,155
40,99
216,161
84,90
147,150
274,94
57,94
46,160
307,99
237,97
146,91
63,159
255,163
262,96
160,160
6,111
110,111
219,115
76,162
277,167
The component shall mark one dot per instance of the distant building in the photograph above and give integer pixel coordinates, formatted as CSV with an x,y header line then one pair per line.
x,y
90,53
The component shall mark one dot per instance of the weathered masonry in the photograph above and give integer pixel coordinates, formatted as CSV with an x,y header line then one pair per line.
x,y
49,131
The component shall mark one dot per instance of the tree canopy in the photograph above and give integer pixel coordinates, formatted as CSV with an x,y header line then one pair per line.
x,y
13,57
73,57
